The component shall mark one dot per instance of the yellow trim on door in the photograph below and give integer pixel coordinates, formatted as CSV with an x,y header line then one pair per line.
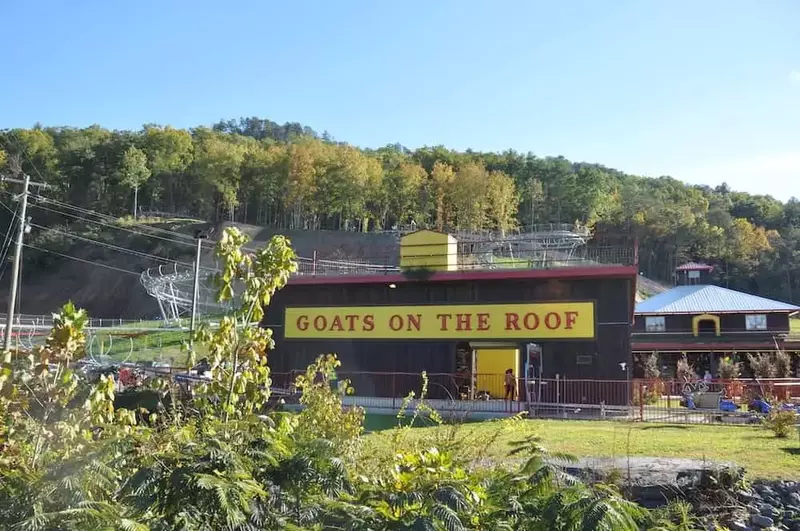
x,y
491,365
697,319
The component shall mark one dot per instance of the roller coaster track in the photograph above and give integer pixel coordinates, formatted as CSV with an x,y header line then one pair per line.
x,y
537,246
172,285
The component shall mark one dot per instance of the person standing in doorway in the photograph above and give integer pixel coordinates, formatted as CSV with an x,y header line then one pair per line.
x,y
510,387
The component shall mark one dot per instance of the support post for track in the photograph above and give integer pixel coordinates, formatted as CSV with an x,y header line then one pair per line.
x,y
199,236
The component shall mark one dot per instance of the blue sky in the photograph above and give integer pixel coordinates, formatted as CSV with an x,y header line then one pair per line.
x,y
704,91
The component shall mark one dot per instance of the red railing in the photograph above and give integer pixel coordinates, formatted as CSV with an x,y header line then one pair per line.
x,y
484,387
712,401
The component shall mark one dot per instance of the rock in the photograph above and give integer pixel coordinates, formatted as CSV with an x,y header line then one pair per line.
x,y
739,526
794,499
761,521
775,501
767,510
745,496
769,494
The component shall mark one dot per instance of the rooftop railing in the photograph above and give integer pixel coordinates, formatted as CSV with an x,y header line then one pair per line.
x,y
506,254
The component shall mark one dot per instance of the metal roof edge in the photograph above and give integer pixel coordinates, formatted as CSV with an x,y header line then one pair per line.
x,y
722,312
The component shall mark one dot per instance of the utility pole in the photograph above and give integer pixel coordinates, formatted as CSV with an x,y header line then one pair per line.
x,y
23,228
199,236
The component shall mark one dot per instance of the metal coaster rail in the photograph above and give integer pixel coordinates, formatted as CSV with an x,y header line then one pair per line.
x,y
537,248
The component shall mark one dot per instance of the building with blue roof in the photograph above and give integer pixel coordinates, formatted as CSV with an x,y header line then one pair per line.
x,y
707,322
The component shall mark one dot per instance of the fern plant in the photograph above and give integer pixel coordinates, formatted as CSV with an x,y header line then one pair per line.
x,y
541,495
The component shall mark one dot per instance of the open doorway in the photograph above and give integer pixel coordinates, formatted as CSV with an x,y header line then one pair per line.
x,y
465,374
706,328
491,364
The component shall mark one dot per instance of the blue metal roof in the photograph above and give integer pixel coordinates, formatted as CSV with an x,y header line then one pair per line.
x,y
709,299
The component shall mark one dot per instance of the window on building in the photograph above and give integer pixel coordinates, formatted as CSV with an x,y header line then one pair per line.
x,y
756,321
655,324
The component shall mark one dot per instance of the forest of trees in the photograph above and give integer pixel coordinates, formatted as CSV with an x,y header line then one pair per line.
x,y
288,176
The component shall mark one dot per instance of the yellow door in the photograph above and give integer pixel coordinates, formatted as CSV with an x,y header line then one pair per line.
x,y
490,367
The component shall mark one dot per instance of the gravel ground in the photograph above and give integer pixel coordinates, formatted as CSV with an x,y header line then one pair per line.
x,y
768,505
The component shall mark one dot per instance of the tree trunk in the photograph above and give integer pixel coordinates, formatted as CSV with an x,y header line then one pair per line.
x,y
135,201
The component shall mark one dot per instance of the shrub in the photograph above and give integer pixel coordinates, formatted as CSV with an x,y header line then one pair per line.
x,y
729,369
650,366
221,461
783,364
781,423
650,393
686,372
324,415
675,516
763,365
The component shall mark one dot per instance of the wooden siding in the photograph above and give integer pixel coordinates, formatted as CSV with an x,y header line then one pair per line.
x,y
777,323
610,347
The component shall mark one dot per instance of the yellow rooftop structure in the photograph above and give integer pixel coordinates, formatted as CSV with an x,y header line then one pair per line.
x,y
429,249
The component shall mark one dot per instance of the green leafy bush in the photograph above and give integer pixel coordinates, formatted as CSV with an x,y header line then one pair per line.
x,y
781,423
763,365
729,369
221,461
323,416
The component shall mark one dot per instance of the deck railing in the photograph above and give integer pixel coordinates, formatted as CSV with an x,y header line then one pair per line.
x,y
672,401
740,401
509,254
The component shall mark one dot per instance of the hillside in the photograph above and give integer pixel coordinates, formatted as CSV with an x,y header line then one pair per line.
x,y
259,173
105,280
96,276
98,266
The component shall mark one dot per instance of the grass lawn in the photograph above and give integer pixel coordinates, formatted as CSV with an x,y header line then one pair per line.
x,y
756,449
147,346
159,344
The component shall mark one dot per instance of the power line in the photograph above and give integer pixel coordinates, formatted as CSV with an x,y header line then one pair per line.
x,y
111,219
7,245
98,264
113,247
15,271
112,226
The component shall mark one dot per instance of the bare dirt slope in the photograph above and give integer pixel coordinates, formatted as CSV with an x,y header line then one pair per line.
x,y
48,280
376,247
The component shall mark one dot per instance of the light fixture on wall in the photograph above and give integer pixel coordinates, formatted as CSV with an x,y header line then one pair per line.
x,y
392,286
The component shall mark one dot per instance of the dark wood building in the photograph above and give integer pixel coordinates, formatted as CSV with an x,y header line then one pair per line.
x,y
577,318
707,322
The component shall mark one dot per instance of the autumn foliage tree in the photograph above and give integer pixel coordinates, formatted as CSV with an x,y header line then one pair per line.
x,y
286,175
